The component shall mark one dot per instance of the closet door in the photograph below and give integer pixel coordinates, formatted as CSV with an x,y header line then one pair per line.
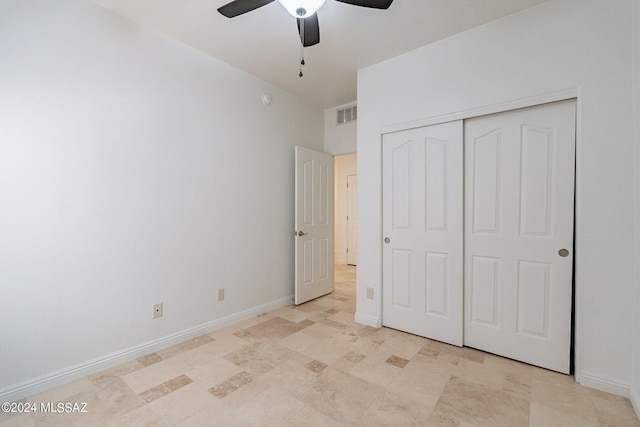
x,y
422,231
518,255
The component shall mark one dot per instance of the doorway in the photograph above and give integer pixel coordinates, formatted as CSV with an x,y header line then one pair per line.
x,y
346,213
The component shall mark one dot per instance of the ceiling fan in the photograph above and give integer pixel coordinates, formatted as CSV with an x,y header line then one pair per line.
x,y
303,10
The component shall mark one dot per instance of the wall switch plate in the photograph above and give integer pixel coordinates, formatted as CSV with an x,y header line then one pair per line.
x,y
369,293
157,310
220,294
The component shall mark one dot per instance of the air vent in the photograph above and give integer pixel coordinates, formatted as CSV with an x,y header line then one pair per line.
x,y
347,115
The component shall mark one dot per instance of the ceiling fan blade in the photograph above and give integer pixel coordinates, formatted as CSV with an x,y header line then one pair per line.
x,y
311,30
238,7
376,4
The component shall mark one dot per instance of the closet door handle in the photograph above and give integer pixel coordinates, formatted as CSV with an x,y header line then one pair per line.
x,y
387,240
563,253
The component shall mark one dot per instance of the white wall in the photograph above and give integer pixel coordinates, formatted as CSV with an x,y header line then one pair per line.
x,y
344,165
339,139
133,170
584,46
635,386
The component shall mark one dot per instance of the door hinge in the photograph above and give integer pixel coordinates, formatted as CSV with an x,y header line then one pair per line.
x,y
347,250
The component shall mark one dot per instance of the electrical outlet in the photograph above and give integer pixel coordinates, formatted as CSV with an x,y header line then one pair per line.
x,y
220,294
157,310
369,293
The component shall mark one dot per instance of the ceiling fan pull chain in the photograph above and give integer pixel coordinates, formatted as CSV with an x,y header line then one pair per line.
x,y
301,47
301,61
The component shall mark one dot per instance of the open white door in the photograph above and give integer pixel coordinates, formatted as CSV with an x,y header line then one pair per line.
x,y
313,224
422,226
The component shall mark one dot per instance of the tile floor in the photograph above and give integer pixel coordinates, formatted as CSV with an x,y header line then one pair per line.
x,y
313,366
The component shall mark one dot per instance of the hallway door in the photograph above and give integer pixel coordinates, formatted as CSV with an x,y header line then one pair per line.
x,y
352,219
313,224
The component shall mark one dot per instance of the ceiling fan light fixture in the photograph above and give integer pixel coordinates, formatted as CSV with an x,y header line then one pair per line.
x,y
301,8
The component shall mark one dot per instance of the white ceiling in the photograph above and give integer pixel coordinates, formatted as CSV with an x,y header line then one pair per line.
x,y
265,42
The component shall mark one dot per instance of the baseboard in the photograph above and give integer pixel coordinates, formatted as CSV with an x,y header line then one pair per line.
x,y
365,319
635,401
605,384
54,379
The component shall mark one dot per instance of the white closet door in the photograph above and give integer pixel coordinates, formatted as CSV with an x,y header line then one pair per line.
x,y
422,230
518,255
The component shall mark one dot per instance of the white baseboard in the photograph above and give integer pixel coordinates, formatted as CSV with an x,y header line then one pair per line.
x,y
365,319
614,387
44,382
605,384
635,400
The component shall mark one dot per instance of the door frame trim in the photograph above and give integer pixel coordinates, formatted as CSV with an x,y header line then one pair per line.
x,y
561,95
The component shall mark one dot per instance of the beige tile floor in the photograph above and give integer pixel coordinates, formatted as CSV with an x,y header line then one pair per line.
x,y
312,365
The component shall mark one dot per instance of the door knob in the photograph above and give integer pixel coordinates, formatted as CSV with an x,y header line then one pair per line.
x,y
563,252
301,233
387,240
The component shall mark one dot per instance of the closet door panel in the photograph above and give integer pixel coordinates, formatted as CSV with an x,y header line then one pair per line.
x,y
422,228
519,219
